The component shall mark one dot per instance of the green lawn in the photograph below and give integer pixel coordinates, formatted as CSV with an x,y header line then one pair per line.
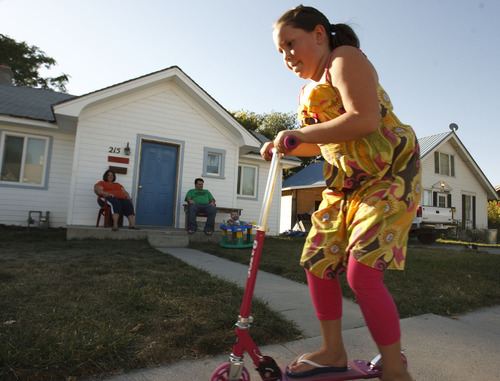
x,y
77,309
436,280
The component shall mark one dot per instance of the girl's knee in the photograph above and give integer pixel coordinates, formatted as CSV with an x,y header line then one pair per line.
x,y
363,279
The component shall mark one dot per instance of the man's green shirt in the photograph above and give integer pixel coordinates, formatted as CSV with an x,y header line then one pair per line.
x,y
199,196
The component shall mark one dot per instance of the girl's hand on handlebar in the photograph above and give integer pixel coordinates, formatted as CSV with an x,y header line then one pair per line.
x,y
266,151
286,141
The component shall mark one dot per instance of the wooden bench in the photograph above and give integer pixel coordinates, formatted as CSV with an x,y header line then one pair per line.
x,y
220,210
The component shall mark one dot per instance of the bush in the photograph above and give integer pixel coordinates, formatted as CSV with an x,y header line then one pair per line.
x,y
494,215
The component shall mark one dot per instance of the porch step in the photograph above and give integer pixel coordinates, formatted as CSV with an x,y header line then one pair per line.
x,y
181,238
156,236
168,239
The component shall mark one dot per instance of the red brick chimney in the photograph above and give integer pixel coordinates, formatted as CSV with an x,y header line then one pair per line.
x,y
6,76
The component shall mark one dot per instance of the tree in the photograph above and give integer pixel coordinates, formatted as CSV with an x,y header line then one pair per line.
x,y
494,214
275,122
26,61
250,120
269,124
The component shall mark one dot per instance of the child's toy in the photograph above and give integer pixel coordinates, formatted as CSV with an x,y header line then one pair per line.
x,y
232,232
265,365
233,236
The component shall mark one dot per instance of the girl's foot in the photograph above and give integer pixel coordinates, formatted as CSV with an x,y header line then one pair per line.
x,y
319,357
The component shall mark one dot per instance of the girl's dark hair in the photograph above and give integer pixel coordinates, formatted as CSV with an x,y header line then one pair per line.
x,y
105,176
307,18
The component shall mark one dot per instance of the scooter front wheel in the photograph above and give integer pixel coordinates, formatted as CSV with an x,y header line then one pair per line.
x,y
222,373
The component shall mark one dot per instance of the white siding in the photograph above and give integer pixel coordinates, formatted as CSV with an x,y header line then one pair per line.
x,y
286,213
17,202
160,111
464,182
252,208
163,113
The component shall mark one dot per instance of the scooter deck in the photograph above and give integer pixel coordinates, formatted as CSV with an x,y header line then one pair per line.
x,y
357,369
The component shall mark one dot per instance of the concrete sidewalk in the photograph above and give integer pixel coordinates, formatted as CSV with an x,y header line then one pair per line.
x,y
438,348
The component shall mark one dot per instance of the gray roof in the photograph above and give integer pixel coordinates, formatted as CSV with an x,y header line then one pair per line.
x,y
26,102
310,176
261,138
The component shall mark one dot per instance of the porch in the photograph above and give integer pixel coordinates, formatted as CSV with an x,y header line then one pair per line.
x,y
156,236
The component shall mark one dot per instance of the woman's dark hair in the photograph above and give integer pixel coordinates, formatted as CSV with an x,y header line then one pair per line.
x,y
307,18
105,176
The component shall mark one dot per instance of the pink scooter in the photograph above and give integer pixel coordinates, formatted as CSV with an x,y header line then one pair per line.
x,y
265,365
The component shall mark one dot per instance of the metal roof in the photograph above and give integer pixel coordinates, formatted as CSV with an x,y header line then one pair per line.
x,y
428,143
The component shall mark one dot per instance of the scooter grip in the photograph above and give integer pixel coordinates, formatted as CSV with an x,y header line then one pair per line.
x,y
290,142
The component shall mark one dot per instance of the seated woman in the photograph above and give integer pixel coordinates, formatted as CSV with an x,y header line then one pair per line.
x,y
117,198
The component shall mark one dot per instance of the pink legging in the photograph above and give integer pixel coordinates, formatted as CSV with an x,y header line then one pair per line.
x,y
376,303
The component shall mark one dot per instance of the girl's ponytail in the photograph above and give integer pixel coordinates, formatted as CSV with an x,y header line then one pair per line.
x,y
342,34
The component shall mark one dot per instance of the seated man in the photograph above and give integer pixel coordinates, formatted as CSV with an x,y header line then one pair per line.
x,y
200,200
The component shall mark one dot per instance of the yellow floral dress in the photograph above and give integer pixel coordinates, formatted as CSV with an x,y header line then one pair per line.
x,y
374,186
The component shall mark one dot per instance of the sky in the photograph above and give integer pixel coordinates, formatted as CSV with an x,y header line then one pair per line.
x,y
439,60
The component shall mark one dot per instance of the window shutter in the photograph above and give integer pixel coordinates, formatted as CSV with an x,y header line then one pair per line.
x,y
436,162
434,199
463,211
452,165
473,212
449,200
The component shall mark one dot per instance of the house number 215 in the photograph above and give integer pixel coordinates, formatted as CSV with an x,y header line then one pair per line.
x,y
114,150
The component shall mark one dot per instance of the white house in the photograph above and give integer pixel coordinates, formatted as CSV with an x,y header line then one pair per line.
x,y
159,132
450,178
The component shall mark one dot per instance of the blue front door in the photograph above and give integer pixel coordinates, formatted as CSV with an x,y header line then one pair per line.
x,y
157,184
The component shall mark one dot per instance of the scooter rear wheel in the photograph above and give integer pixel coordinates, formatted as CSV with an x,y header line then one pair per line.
x,y
222,373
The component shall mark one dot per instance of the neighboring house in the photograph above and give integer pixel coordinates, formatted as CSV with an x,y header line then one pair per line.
x,y
159,132
450,178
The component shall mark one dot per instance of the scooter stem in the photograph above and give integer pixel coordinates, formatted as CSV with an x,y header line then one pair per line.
x,y
259,237
268,194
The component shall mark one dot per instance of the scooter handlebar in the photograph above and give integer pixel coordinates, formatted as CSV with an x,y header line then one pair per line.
x,y
290,143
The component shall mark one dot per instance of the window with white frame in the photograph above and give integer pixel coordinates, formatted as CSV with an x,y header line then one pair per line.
x,y
214,162
444,164
433,198
23,159
426,198
247,180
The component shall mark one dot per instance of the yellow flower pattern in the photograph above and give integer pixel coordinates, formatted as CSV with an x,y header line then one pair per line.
x,y
373,190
